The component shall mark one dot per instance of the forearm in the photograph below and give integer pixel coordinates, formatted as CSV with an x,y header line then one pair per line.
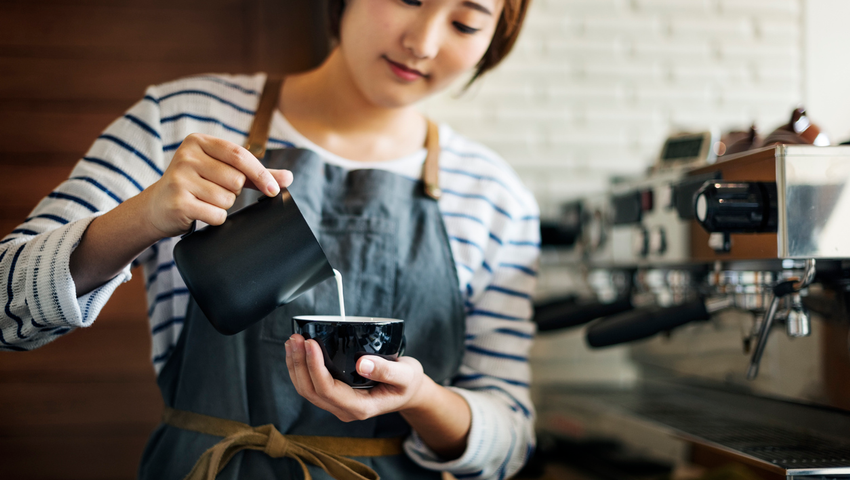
x,y
441,418
111,241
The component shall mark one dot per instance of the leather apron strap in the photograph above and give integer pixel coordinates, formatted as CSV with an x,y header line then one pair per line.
x,y
328,453
431,168
258,136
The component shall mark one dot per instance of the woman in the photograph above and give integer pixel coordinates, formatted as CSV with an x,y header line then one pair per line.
x,y
459,269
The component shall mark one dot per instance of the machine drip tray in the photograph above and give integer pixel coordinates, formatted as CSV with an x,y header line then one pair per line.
x,y
787,438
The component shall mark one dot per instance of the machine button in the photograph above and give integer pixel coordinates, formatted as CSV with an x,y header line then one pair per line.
x,y
646,200
740,207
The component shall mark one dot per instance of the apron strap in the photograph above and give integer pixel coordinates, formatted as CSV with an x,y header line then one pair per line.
x,y
260,127
258,136
329,453
431,168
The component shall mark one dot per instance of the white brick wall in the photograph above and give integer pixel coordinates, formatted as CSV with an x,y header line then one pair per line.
x,y
594,86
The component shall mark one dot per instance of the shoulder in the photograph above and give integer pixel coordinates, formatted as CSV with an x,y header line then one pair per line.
x,y
211,91
215,104
477,170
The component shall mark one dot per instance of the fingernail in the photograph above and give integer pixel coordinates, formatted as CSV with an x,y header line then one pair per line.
x,y
273,188
367,367
286,346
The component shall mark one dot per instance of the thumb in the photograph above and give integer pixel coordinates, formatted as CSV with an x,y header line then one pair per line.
x,y
381,370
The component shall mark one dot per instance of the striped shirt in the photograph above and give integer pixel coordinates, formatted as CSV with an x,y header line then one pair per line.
x,y
491,219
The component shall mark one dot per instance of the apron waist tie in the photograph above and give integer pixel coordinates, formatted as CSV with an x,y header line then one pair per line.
x,y
266,438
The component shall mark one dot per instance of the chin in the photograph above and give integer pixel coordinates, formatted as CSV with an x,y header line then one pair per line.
x,y
397,96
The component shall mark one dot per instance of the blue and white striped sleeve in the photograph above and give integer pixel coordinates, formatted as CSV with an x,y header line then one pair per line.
x,y
37,292
494,376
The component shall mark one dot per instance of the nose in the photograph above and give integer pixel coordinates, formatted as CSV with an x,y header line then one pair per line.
x,y
422,38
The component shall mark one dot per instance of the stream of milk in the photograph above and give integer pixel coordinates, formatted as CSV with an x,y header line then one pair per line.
x,y
338,277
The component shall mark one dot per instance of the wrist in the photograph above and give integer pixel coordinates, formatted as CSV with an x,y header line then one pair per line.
x,y
139,213
442,418
110,243
424,399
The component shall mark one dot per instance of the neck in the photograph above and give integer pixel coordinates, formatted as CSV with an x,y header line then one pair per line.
x,y
327,107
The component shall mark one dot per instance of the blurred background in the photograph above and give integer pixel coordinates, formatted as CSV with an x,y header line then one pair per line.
x,y
590,92
594,87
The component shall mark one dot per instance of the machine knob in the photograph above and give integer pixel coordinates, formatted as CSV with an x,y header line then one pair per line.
x,y
640,242
657,241
593,232
740,207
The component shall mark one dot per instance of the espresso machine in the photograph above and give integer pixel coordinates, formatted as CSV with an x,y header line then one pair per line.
x,y
727,287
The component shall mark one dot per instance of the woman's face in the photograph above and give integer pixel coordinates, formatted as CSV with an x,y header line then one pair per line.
x,y
401,51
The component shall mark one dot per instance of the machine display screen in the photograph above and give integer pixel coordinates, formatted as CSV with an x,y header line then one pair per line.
x,y
683,147
627,208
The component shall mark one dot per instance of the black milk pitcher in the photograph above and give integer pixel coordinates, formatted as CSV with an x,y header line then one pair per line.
x,y
261,257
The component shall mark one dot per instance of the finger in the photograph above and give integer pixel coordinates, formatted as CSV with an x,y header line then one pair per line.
x,y
300,374
222,174
204,212
283,177
212,193
289,345
292,375
323,382
333,395
298,358
384,371
241,159
293,366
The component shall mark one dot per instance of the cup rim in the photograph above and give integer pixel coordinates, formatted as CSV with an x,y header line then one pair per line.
x,y
349,319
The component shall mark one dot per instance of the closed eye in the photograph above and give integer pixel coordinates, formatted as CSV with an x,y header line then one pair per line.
x,y
414,3
464,28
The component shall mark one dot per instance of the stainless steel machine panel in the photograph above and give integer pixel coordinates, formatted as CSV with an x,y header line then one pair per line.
x,y
814,205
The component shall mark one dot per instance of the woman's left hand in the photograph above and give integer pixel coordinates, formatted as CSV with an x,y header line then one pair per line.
x,y
402,384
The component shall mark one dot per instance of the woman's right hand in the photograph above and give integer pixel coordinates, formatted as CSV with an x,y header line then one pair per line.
x,y
202,181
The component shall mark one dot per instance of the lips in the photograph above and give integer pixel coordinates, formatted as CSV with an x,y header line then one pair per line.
x,y
403,72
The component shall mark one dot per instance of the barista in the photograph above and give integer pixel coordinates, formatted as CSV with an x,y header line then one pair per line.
x,y
457,261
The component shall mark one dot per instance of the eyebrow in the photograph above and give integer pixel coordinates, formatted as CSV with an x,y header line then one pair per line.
x,y
478,7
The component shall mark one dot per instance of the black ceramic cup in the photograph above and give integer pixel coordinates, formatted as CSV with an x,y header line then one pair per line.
x,y
343,342
261,257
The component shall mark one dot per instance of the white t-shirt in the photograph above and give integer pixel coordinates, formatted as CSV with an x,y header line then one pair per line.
x,y
409,166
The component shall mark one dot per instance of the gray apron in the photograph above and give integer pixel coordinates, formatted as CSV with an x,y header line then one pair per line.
x,y
388,240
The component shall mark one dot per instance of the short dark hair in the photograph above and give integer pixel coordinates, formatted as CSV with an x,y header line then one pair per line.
x,y
504,38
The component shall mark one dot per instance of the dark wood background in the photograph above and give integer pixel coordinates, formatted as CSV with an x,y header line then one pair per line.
x,y
83,406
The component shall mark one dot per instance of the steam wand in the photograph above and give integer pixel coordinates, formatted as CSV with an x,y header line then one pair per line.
x,y
779,290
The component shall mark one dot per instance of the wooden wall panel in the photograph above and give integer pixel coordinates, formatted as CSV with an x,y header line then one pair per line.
x,y
95,79
127,31
31,184
88,398
90,457
83,406
29,132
